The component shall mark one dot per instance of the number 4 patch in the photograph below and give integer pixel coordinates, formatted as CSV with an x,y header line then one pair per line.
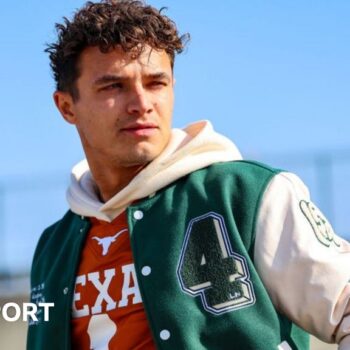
x,y
208,267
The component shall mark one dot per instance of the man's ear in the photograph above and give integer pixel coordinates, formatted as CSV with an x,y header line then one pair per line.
x,y
65,104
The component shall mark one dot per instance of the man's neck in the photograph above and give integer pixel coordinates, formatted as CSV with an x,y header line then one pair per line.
x,y
111,180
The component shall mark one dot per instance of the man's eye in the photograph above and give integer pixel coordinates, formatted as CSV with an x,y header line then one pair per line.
x,y
157,83
112,86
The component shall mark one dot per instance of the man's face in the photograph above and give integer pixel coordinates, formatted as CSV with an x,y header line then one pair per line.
x,y
124,110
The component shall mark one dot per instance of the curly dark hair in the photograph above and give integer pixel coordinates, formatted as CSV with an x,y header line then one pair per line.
x,y
129,23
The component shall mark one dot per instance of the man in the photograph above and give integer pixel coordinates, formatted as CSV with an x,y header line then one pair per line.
x,y
172,241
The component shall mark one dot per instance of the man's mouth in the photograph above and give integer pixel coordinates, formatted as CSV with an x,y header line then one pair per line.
x,y
136,129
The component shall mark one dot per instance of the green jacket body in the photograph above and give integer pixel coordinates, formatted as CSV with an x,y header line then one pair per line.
x,y
195,239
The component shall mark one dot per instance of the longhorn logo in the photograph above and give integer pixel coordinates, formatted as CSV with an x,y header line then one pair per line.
x,y
107,241
101,330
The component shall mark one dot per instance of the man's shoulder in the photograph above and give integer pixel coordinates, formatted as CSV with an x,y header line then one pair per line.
x,y
246,164
52,232
67,218
241,168
234,177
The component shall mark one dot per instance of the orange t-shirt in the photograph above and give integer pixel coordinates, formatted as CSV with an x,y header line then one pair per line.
x,y
107,307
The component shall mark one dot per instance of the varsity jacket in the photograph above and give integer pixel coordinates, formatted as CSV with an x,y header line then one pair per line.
x,y
228,254
193,247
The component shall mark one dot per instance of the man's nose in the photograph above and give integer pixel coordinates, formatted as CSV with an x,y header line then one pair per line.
x,y
139,102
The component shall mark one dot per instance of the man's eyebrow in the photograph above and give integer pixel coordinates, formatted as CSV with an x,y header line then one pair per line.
x,y
112,78
108,78
159,75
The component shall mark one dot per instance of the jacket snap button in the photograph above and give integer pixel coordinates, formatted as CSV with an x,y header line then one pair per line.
x,y
146,270
65,290
164,334
138,215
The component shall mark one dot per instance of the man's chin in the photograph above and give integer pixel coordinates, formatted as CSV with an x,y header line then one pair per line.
x,y
140,160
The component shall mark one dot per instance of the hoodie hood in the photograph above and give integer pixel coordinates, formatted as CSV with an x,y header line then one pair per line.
x,y
194,147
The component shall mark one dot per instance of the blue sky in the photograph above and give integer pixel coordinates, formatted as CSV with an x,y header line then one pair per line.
x,y
274,76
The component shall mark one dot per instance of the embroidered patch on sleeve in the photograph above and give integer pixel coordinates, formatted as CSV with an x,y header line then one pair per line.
x,y
321,227
209,268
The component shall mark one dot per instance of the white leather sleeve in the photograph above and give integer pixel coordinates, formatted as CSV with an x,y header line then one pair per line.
x,y
305,267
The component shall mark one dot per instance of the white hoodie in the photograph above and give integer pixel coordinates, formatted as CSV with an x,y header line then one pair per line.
x,y
195,147
305,272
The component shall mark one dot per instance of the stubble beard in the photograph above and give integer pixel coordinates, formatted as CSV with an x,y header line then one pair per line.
x,y
136,159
